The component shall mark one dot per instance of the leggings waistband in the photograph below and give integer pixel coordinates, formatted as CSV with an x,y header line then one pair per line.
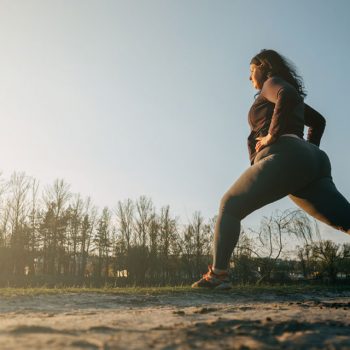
x,y
292,135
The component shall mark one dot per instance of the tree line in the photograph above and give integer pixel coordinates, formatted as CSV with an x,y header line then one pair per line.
x,y
57,235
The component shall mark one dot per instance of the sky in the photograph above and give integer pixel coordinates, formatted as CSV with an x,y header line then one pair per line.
x,y
150,97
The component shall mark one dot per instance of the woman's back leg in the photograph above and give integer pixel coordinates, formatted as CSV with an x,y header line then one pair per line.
x,y
323,201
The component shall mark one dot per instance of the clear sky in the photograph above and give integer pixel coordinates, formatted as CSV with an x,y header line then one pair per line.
x,y
150,97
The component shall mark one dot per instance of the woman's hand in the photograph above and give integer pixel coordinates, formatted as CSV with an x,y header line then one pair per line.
x,y
264,141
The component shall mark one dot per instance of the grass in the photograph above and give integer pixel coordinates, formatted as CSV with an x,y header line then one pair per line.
x,y
248,290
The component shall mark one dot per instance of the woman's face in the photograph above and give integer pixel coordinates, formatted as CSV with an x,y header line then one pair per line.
x,y
257,76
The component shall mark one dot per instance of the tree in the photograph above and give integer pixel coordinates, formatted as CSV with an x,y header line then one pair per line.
x,y
34,224
54,226
302,228
19,185
328,255
167,241
124,233
344,265
103,242
125,218
244,270
196,244
87,227
271,237
75,218
202,239
144,211
304,254
154,243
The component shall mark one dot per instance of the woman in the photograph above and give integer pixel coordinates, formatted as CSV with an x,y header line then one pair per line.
x,y
282,162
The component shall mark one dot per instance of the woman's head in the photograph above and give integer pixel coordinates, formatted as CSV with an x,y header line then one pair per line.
x,y
268,63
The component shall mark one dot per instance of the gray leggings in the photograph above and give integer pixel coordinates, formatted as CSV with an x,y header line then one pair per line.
x,y
290,166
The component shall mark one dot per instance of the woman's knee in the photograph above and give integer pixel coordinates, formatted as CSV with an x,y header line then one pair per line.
x,y
231,204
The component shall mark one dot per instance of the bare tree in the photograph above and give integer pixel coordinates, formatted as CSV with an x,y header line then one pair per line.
x,y
345,261
302,227
154,246
102,242
168,228
54,226
271,236
57,195
154,235
328,254
200,235
196,244
87,227
5,223
19,185
75,220
4,213
125,219
168,231
304,254
34,223
244,265
144,211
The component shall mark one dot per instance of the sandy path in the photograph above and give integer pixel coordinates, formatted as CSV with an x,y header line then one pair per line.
x,y
176,321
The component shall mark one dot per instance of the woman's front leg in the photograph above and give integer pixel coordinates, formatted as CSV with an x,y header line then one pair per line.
x,y
258,186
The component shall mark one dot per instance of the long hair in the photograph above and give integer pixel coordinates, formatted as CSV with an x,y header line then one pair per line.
x,y
275,64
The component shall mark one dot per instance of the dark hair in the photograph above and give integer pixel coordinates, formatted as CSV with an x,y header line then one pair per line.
x,y
276,64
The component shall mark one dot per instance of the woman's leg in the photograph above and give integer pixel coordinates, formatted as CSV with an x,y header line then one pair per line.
x,y
323,201
268,180
282,168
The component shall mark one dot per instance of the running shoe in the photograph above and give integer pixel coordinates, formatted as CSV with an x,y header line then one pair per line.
x,y
213,280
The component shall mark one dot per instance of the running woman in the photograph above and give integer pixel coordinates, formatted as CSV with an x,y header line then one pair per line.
x,y
282,162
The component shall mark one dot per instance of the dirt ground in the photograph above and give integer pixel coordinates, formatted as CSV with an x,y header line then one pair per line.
x,y
176,321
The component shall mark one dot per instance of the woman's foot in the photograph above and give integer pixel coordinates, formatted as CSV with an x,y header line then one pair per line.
x,y
214,280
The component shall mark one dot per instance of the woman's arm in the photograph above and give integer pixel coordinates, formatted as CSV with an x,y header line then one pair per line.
x,y
285,97
316,123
